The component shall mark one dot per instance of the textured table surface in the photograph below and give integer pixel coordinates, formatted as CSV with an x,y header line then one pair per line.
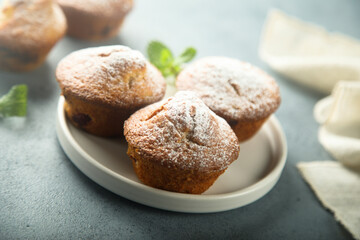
x,y
43,195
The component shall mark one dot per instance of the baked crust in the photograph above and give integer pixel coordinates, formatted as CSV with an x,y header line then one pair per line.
x,y
179,144
28,31
95,20
103,86
244,130
235,90
114,76
244,95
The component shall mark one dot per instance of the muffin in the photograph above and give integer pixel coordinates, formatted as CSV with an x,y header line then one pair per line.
x,y
28,31
103,86
96,19
242,94
179,144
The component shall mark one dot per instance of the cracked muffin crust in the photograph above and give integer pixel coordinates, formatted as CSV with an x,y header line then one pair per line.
x,y
28,31
179,144
244,95
95,19
103,86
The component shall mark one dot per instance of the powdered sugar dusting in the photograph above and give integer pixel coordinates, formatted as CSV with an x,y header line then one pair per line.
x,y
183,132
116,74
233,89
26,24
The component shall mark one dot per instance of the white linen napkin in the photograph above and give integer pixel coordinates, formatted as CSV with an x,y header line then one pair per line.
x,y
338,189
308,53
339,116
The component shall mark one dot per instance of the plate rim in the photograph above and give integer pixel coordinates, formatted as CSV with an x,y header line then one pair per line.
x,y
267,182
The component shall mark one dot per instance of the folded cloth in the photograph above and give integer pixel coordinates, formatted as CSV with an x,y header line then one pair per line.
x,y
308,53
339,115
338,189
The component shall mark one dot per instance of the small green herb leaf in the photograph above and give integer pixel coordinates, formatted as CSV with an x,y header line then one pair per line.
x,y
14,102
186,56
159,55
166,58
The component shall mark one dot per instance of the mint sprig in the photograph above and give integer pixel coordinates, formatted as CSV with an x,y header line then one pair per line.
x,y
14,102
161,56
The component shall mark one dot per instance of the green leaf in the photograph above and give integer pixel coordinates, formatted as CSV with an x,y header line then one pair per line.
x,y
166,58
14,102
176,69
186,56
159,55
167,72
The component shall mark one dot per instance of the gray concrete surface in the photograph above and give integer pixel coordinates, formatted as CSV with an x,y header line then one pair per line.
x,y
44,196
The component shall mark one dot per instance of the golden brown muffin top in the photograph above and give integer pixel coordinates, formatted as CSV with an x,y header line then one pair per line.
x,y
233,89
100,8
112,75
30,23
182,132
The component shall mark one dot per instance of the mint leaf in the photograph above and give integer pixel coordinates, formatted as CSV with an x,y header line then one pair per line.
x,y
166,72
14,102
186,56
159,55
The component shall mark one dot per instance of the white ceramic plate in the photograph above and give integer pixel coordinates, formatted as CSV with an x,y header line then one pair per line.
x,y
257,170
